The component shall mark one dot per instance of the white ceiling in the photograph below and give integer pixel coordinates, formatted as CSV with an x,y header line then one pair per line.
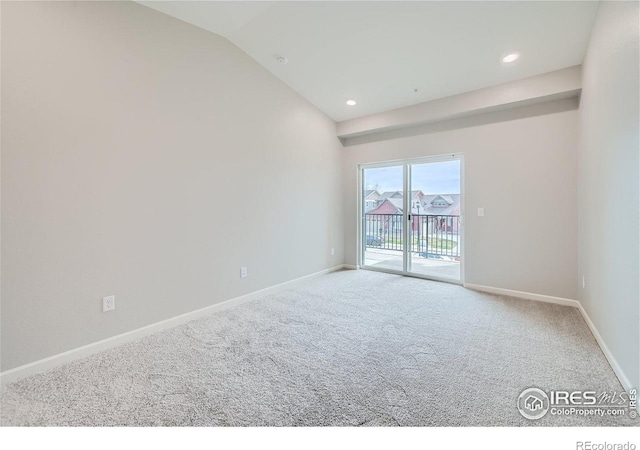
x,y
379,52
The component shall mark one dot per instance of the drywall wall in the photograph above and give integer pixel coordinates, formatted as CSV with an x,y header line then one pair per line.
x,y
608,184
522,169
145,158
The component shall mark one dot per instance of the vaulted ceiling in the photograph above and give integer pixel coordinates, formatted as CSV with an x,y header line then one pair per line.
x,y
387,55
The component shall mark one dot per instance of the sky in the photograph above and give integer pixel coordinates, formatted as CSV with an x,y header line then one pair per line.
x,y
431,178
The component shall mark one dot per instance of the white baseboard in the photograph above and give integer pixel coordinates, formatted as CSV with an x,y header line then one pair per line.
x,y
51,362
524,295
624,380
350,267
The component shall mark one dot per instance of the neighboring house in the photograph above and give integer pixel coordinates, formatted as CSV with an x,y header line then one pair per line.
x,y
371,198
388,206
440,205
442,211
391,194
385,218
416,197
436,213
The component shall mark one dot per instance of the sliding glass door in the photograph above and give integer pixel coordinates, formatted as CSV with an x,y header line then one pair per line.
x,y
411,217
436,219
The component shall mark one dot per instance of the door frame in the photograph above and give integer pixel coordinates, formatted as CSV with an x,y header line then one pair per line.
x,y
406,163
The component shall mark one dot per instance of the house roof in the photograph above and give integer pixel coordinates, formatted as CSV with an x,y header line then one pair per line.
x,y
453,200
388,206
399,194
397,202
446,198
370,191
391,194
395,205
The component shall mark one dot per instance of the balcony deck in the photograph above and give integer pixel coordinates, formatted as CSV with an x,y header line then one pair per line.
x,y
392,259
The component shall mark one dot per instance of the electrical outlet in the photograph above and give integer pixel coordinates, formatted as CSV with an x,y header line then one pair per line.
x,y
108,303
480,212
243,272
333,251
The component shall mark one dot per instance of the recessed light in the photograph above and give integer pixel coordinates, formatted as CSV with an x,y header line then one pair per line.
x,y
351,102
511,57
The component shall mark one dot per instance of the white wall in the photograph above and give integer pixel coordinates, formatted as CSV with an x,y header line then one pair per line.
x,y
608,183
522,169
150,159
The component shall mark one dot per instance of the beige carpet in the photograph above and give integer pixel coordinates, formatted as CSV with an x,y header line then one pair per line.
x,y
350,348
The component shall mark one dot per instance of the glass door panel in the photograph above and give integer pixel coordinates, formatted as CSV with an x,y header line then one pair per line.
x,y
383,218
434,247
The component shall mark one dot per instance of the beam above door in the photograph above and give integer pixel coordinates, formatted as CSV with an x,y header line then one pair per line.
x,y
557,85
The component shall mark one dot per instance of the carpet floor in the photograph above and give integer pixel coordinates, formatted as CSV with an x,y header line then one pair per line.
x,y
352,348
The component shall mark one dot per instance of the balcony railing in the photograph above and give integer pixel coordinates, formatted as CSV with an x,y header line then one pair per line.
x,y
431,236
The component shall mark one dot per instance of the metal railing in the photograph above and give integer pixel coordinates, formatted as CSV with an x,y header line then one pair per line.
x,y
431,236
